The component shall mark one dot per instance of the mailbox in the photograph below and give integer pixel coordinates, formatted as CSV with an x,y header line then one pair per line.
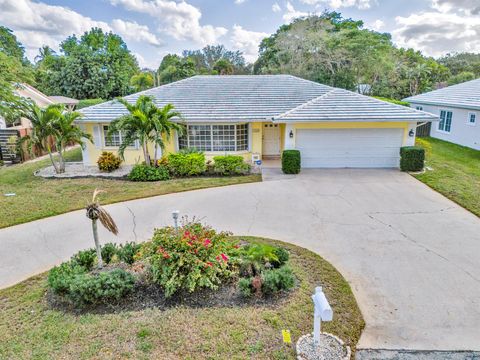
x,y
322,311
322,307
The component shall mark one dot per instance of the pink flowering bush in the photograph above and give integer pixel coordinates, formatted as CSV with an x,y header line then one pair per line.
x,y
192,257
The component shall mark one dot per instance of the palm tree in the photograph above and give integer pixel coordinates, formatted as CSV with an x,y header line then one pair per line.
x,y
42,120
145,123
164,127
53,122
66,132
96,212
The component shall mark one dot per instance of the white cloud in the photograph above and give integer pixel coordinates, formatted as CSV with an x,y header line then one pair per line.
x,y
291,13
239,1
470,7
135,32
247,41
377,25
437,33
180,20
337,4
276,8
37,24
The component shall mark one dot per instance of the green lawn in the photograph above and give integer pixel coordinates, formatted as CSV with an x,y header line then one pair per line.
x,y
38,198
455,172
31,330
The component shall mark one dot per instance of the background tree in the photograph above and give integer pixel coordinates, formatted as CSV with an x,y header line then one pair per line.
x,y
462,62
142,81
461,77
174,68
96,65
223,67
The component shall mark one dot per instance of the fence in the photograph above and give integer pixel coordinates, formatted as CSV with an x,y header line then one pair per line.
x,y
424,130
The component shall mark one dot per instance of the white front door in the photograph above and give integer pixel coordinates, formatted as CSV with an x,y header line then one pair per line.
x,y
271,139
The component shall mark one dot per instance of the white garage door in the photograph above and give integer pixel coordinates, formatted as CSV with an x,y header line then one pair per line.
x,y
349,148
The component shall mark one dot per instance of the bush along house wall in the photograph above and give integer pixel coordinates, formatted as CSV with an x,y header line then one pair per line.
x,y
412,158
291,161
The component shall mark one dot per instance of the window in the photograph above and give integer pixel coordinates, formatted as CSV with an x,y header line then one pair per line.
x,y
445,121
219,137
472,118
115,140
419,108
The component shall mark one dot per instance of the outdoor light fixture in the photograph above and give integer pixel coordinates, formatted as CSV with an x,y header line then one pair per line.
x,y
411,133
291,134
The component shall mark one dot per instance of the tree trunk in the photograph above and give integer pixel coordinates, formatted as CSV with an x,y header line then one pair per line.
x,y
61,160
155,157
97,243
53,161
146,154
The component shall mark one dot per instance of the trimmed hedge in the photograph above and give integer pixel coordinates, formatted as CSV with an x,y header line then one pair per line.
x,y
291,161
187,164
412,158
230,165
142,172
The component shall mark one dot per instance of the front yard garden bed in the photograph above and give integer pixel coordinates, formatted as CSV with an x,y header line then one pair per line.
x,y
196,327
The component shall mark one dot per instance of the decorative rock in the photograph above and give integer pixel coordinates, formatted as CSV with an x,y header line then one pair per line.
x,y
330,348
78,170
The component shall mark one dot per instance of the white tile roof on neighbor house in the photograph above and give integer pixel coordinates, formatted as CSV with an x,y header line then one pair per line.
x,y
279,98
465,95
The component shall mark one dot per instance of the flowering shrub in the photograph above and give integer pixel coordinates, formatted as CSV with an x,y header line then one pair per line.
x,y
194,256
108,162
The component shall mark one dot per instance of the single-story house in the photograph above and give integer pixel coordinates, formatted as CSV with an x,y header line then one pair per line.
x,y
259,116
458,107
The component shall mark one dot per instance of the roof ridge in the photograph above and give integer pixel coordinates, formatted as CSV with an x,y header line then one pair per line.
x,y
442,89
311,101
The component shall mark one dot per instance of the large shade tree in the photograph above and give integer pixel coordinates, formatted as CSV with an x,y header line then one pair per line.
x,y
145,123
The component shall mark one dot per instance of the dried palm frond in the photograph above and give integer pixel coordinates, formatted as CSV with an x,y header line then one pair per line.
x,y
96,212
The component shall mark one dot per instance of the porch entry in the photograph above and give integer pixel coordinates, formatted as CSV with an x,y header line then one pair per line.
x,y
271,140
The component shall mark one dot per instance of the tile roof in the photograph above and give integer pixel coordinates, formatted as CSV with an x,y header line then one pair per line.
x,y
259,98
465,95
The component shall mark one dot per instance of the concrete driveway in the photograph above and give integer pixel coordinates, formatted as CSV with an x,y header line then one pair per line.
x,y
410,255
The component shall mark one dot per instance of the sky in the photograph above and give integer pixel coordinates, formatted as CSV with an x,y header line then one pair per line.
x,y
154,28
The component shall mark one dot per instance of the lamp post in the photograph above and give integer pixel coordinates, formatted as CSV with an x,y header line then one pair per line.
x,y
175,215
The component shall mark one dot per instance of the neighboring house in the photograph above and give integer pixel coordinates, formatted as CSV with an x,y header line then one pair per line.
x,y
259,116
458,107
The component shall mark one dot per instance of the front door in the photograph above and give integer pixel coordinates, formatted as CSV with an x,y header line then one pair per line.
x,y
271,139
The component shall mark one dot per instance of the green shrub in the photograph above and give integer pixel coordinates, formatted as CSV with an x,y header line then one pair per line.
x,y
85,258
192,257
60,277
282,257
100,288
412,158
276,280
108,162
127,252
142,172
291,161
230,165
189,164
393,101
190,150
108,252
245,286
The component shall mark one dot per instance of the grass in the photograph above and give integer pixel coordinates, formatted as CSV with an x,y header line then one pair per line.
x,y
39,198
32,330
455,172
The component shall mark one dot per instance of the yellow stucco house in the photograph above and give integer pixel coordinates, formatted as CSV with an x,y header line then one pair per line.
x,y
258,116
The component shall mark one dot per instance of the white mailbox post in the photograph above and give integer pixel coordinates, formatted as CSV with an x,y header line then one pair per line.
x,y
323,311
175,215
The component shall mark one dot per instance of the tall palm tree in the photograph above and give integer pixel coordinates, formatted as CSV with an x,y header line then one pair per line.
x,y
42,120
66,132
53,122
164,127
145,123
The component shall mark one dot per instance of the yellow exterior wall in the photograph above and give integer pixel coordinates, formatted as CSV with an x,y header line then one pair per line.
x,y
133,155
355,125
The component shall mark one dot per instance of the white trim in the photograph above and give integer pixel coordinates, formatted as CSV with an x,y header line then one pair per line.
x,y
211,152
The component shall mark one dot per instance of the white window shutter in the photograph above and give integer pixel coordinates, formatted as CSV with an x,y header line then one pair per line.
x,y
97,136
